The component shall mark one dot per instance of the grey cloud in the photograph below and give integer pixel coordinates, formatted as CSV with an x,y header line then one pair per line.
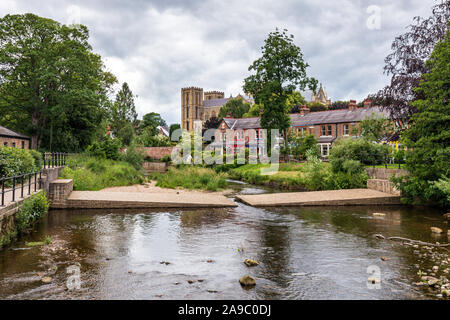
x,y
160,46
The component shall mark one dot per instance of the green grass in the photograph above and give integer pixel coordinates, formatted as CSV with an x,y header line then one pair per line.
x,y
190,177
389,166
46,241
90,173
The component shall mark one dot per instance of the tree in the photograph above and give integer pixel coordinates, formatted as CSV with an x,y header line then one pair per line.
x,y
338,105
255,111
294,101
277,73
51,79
316,106
212,123
375,127
429,133
123,111
151,121
300,144
173,127
236,107
406,64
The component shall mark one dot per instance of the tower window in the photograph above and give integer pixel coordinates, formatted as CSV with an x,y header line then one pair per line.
x,y
187,112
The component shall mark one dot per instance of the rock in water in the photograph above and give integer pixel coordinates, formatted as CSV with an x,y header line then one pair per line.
x,y
251,262
436,230
384,258
46,279
378,214
247,281
447,216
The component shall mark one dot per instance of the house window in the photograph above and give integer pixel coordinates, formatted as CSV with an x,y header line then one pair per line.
x,y
322,131
346,131
325,150
13,144
5,144
23,144
328,130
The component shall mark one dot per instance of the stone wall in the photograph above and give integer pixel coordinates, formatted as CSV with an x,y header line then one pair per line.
x,y
157,152
383,173
154,167
49,175
382,185
59,191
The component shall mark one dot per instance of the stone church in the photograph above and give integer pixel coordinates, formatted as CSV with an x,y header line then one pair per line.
x,y
199,105
321,97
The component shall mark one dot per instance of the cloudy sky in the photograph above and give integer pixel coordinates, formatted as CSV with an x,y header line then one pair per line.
x,y
161,46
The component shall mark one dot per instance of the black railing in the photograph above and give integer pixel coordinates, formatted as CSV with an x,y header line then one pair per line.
x,y
19,183
22,183
55,159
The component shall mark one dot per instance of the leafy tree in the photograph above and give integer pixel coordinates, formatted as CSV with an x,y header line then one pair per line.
x,y
236,107
429,133
151,121
300,144
375,127
123,114
51,80
316,106
255,111
277,73
173,127
360,149
212,123
338,105
294,101
406,64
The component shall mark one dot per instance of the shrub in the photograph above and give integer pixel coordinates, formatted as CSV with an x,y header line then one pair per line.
x,y
90,173
33,209
16,161
133,156
366,152
38,159
107,148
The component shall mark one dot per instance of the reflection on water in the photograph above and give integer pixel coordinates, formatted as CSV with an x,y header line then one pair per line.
x,y
304,253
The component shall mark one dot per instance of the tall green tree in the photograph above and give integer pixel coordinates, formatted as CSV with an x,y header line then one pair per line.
x,y
429,133
51,79
151,121
123,112
277,73
236,107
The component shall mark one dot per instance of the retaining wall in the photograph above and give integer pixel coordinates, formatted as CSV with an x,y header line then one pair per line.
x,y
382,185
156,152
383,173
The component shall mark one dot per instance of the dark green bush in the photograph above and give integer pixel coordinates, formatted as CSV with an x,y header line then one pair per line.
x,y
33,209
362,150
107,148
15,161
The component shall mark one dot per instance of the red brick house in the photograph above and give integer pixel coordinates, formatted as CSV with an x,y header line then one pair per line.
x,y
326,126
9,138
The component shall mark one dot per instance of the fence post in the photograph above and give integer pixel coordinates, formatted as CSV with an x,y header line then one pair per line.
x,y
21,187
40,180
3,191
29,183
35,181
14,189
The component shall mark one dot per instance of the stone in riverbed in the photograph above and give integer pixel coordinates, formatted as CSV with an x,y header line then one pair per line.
x,y
378,214
433,282
247,281
436,230
383,258
447,216
435,268
46,279
251,262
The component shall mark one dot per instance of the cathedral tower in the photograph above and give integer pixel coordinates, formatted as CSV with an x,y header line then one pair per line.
x,y
191,107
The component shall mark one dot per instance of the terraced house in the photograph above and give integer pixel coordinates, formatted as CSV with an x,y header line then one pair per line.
x,y
326,126
9,138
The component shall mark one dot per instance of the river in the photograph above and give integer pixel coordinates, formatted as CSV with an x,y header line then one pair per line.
x,y
303,253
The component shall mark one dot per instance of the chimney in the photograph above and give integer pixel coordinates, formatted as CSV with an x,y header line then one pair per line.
x,y
367,103
229,115
304,110
352,105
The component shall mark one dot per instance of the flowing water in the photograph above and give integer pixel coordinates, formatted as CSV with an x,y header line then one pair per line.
x,y
303,253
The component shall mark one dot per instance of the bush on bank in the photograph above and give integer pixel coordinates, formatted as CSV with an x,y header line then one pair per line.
x,y
190,177
33,209
15,161
92,173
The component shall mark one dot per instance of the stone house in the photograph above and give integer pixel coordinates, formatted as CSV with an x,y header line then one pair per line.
x,y
9,138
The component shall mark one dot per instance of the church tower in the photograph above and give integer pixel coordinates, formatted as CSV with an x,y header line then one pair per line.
x,y
321,97
191,107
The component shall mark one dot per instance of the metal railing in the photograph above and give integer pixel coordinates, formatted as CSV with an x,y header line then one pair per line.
x,y
19,183
55,159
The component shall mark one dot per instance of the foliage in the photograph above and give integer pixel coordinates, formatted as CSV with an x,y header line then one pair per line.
x,y
300,144
123,112
428,136
148,139
316,106
191,177
237,107
51,82
362,150
150,123
338,105
90,173
406,64
278,72
254,111
107,148
375,127
212,123
14,161
294,101
33,209
38,158
133,156
173,127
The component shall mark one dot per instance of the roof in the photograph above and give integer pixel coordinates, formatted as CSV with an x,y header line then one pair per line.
x,y
312,118
5,132
215,102
165,130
